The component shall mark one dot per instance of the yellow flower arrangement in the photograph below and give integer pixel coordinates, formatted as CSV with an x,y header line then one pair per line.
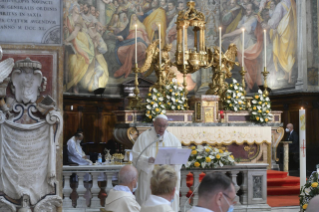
x,y
260,108
209,157
152,103
235,97
150,116
156,110
305,206
149,94
158,94
314,185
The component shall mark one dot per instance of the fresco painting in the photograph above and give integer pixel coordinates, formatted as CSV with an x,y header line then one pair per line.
x,y
99,39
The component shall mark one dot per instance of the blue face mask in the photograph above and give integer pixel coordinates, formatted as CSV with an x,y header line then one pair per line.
x,y
134,189
231,207
172,200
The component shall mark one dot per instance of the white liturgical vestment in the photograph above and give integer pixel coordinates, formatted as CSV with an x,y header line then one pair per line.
x,y
145,168
76,153
121,200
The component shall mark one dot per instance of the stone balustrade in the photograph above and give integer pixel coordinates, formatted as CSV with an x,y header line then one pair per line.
x,y
88,194
250,182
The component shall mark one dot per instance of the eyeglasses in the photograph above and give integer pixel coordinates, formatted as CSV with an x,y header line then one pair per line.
x,y
231,200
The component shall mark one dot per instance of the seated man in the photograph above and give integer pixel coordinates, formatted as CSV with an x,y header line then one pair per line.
x,y
121,198
216,192
76,154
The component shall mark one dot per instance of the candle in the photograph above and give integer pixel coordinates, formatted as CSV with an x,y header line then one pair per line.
x,y
183,34
243,50
302,144
220,47
135,44
160,49
265,47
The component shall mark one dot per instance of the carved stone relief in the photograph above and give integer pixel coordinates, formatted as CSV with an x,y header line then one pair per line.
x,y
30,127
257,186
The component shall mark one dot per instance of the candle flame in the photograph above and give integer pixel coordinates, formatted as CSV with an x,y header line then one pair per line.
x,y
243,29
301,108
264,30
220,28
135,25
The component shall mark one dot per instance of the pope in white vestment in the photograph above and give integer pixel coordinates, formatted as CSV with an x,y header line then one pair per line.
x,y
145,164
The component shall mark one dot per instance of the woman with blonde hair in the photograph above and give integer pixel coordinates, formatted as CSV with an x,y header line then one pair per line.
x,y
163,184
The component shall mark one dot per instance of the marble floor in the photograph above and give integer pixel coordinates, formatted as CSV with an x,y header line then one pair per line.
x,y
275,209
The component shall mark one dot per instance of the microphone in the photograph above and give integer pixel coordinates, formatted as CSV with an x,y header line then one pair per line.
x,y
159,138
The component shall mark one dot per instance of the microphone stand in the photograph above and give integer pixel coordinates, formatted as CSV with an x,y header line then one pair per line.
x,y
159,139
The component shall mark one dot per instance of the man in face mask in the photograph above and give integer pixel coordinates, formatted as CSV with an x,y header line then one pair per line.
x,y
121,198
216,193
75,152
293,147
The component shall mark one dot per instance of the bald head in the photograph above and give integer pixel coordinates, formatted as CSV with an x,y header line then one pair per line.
x,y
290,126
313,205
128,176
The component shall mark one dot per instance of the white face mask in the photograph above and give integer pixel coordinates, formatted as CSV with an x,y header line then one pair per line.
x,y
134,189
287,130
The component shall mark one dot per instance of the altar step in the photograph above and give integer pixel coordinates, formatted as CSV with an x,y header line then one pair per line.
x,y
282,190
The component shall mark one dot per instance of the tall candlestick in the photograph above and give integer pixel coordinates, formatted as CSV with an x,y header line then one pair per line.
x,y
183,34
243,50
135,44
160,49
220,47
302,144
265,47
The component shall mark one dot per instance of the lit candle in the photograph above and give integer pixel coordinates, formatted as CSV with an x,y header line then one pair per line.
x,y
302,144
265,47
183,34
135,44
243,50
220,47
160,49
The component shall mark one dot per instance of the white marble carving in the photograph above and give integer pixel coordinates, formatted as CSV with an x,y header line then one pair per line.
x,y
6,206
28,144
5,69
27,80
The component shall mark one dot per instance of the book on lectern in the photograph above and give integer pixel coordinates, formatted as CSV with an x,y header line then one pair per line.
x,y
172,156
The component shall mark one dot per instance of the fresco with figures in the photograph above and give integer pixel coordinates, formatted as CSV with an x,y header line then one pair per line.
x,y
99,39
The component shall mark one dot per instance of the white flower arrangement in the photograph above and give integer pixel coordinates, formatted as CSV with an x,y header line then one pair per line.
x,y
260,108
155,105
209,157
174,96
309,190
235,99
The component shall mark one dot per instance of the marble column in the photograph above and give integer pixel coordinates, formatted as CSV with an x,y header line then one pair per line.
x,y
81,202
67,202
302,45
101,8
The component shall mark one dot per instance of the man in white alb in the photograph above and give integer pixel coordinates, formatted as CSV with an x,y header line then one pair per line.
x,y
75,152
145,163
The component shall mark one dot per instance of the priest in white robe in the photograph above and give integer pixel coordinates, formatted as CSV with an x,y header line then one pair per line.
x,y
75,152
145,163
121,198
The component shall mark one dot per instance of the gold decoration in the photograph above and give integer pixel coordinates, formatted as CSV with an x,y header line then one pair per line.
x,y
265,73
152,63
135,102
219,86
243,73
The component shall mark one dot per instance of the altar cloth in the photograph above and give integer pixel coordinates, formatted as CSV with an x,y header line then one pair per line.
x,y
222,135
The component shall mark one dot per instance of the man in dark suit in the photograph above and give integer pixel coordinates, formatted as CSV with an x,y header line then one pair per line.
x,y
293,147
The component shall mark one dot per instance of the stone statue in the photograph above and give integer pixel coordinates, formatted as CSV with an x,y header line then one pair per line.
x,y
30,127
25,204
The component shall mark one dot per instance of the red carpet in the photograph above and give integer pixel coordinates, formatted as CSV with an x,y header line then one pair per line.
x,y
282,190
